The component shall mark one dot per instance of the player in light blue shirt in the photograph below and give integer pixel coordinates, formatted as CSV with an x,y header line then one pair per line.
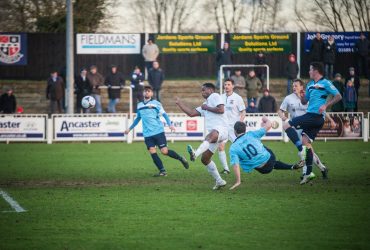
x,y
248,153
317,91
149,112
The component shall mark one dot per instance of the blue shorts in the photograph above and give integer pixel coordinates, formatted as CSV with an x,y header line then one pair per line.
x,y
156,140
310,123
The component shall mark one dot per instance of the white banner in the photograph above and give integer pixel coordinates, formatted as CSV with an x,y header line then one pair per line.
x,y
108,44
22,127
254,121
90,127
187,128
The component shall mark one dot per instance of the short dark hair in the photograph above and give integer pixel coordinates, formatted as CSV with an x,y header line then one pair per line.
x,y
209,85
318,66
299,81
229,80
240,127
148,87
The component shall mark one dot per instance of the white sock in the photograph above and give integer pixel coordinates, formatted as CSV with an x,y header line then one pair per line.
x,y
304,169
223,159
212,169
317,162
202,148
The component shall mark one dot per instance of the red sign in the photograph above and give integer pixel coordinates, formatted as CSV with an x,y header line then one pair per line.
x,y
191,125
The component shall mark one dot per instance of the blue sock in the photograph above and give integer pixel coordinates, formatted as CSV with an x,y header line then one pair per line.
x,y
173,154
157,161
309,160
293,136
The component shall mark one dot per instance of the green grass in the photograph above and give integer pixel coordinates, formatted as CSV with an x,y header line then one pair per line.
x,y
102,196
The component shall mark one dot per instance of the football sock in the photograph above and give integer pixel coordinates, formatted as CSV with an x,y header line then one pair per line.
x,y
212,169
304,169
157,161
173,154
293,136
318,163
202,148
309,159
223,159
282,165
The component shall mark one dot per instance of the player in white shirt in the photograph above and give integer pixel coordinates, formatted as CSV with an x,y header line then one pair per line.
x,y
235,111
213,110
293,106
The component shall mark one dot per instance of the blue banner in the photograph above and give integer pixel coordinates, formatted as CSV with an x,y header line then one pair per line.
x,y
345,41
13,49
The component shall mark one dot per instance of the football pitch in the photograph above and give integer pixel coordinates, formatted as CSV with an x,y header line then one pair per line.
x,y
103,196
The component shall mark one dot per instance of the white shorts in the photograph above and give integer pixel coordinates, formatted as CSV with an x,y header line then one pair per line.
x,y
222,136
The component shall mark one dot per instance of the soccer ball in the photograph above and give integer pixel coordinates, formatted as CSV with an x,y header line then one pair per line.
x,y
88,102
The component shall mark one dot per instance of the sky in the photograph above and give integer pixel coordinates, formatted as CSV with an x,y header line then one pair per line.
x,y
124,19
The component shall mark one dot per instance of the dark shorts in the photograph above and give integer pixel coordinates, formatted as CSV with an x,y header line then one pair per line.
x,y
310,123
269,165
156,140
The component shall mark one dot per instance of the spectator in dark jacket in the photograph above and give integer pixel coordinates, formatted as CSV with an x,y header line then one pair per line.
x,y
260,59
83,88
137,85
316,49
350,97
356,82
267,103
362,49
338,83
55,92
291,71
155,79
224,56
115,81
329,57
96,80
8,103
251,108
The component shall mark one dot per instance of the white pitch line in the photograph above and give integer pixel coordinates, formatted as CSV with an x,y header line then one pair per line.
x,y
12,202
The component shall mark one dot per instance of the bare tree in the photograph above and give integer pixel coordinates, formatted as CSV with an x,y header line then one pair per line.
x,y
336,15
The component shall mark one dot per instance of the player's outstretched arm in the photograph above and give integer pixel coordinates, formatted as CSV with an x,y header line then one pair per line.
x,y
237,176
282,115
219,109
266,123
133,125
331,102
187,110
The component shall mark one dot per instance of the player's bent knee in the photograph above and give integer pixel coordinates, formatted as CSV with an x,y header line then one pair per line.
x,y
164,151
152,150
286,125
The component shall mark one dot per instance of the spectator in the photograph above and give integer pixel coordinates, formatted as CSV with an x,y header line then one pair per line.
x,y
329,57
316,49
362,49
137,85
55,92
224,56
96,80
239,81
8,103
260,59
267,103
83,88
339,106
253,86
150,53
252,108
350,97
291,71
355,80
115,81
155,79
